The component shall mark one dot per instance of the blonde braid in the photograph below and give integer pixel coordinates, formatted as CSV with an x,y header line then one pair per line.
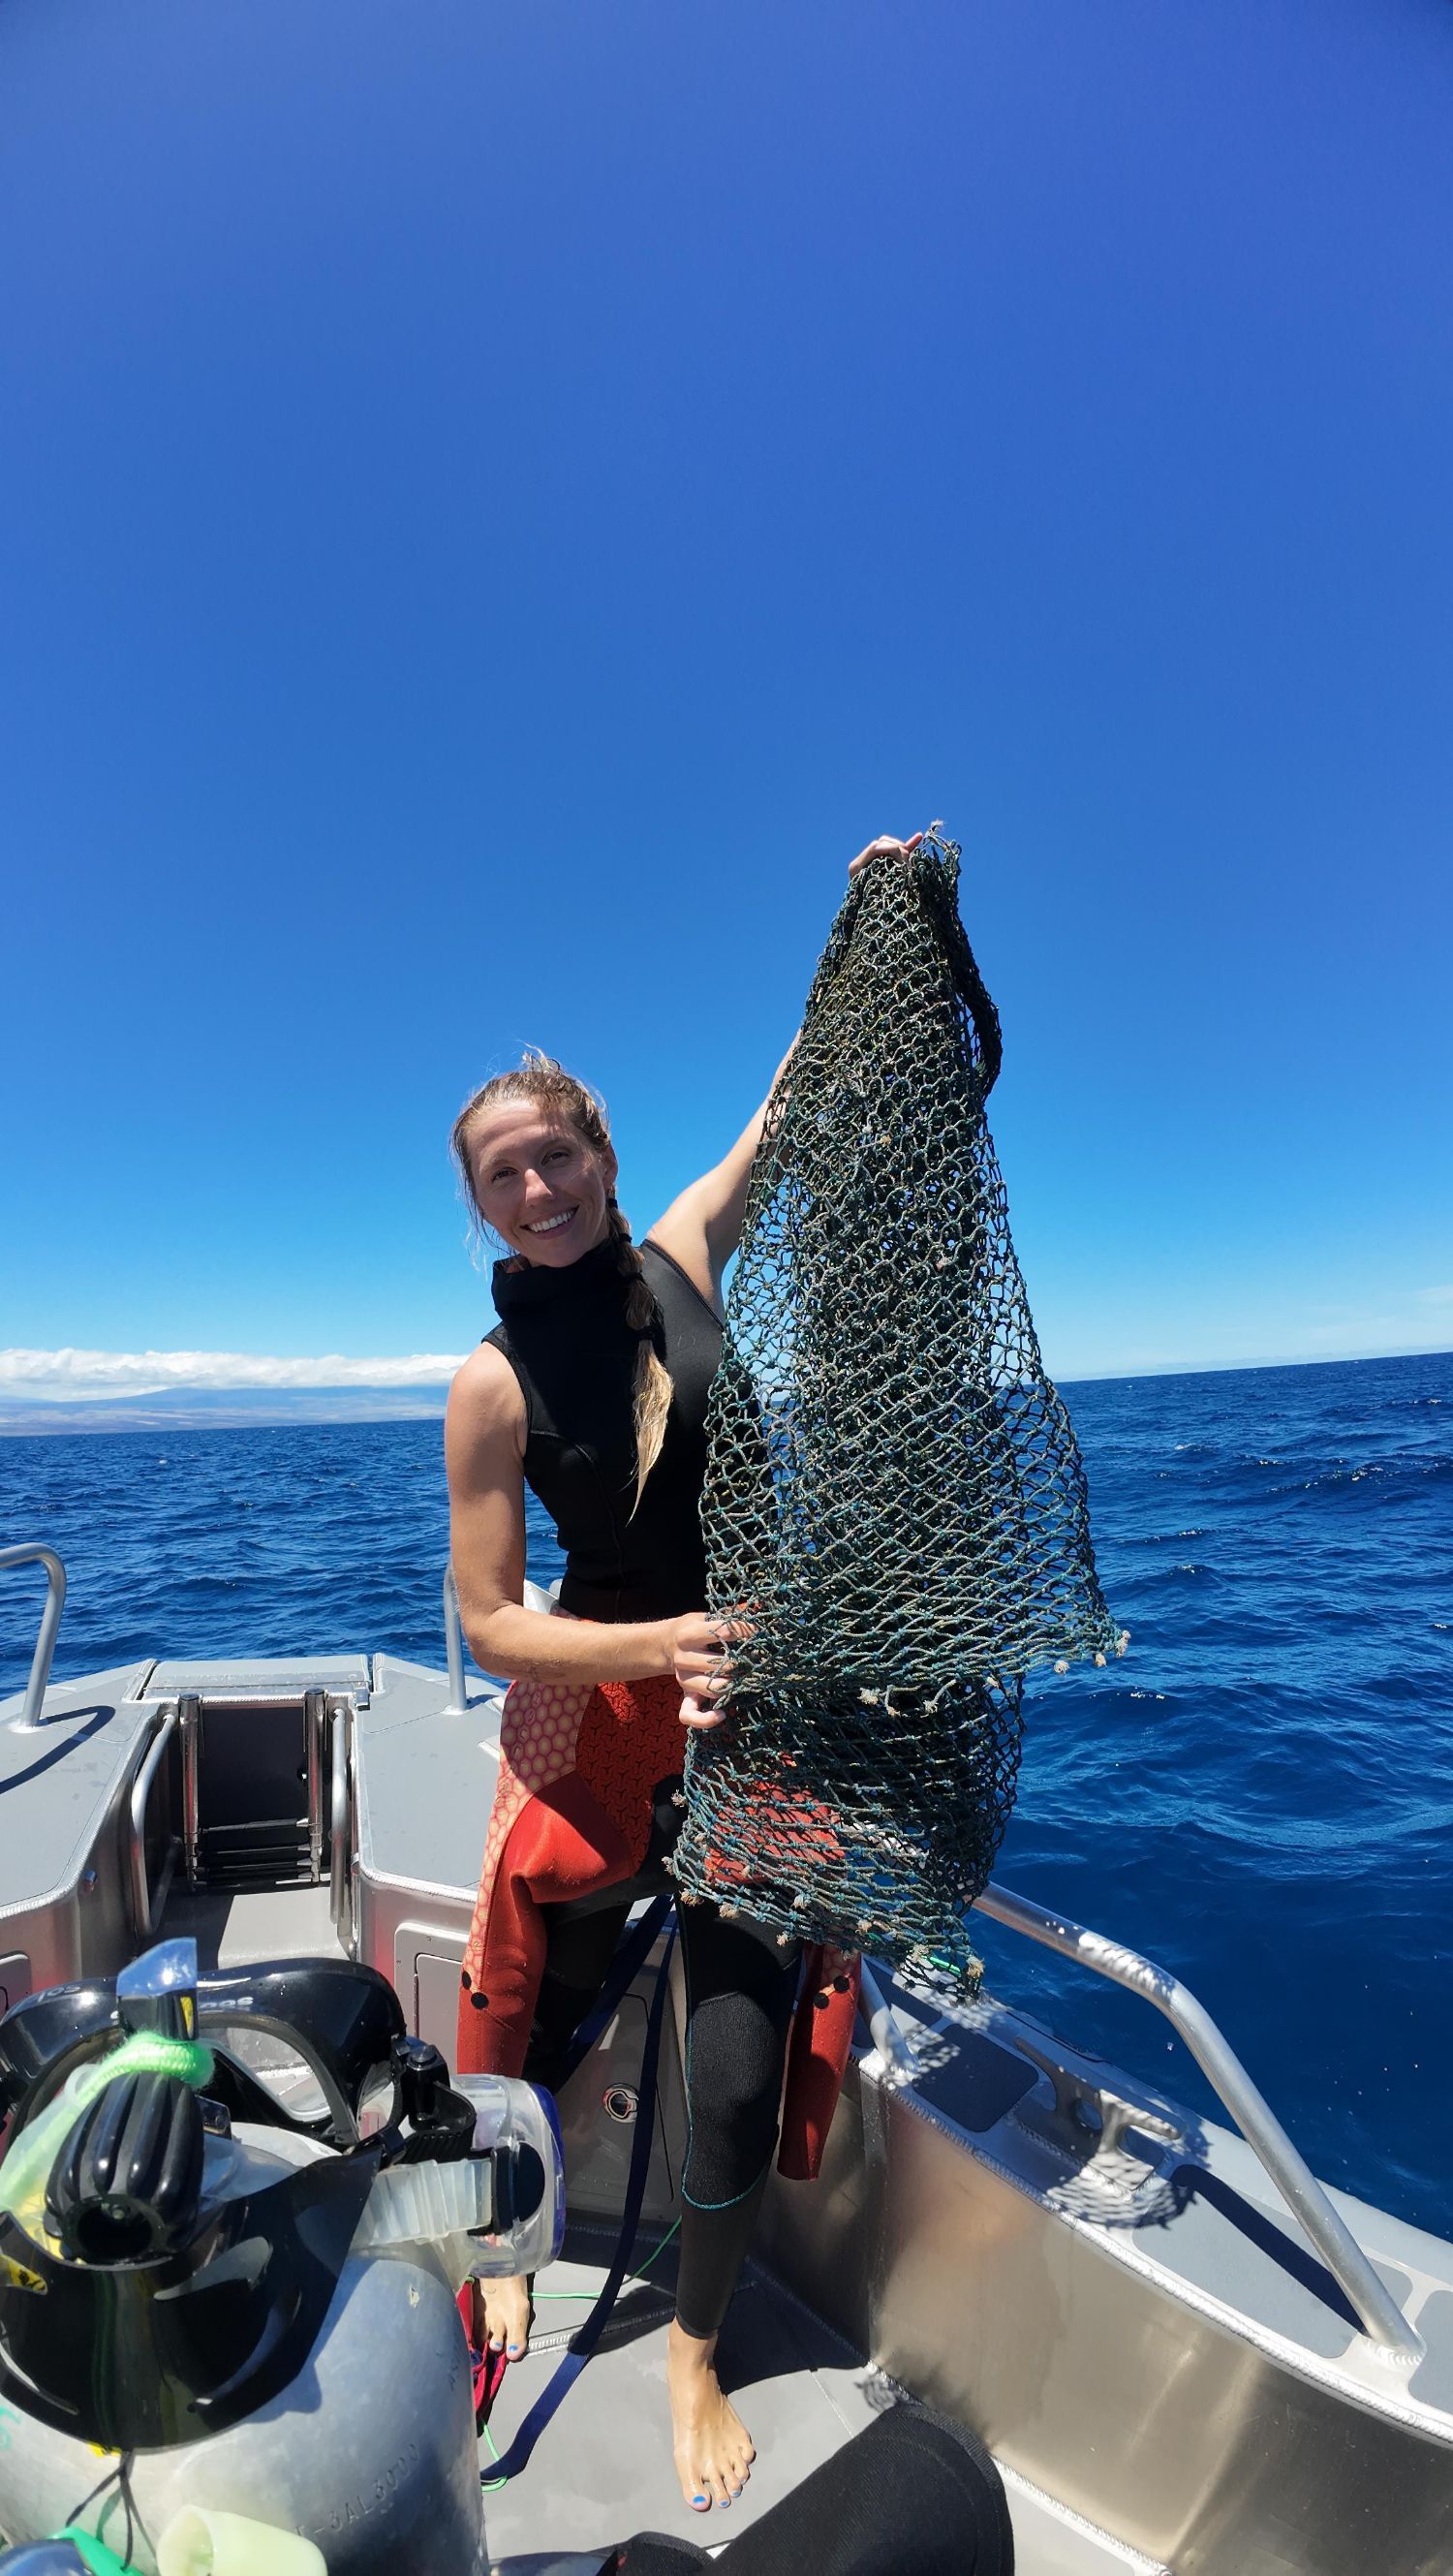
x,y
652,1389
542,1080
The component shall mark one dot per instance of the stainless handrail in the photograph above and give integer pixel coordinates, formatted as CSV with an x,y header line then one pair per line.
x,y
50,1620
338,1827
458,1703
189,1713
1383,2321
315,1707
145,1918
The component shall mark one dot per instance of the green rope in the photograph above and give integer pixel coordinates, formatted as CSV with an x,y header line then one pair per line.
x,y
555,2297
894,1507
492,2486
26,2169
643,2268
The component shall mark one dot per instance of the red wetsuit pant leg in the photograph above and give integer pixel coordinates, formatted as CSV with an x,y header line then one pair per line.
x,y
561,1845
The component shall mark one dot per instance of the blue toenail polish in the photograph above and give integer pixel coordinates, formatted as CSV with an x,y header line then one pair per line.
x,y
514,2347
698,2499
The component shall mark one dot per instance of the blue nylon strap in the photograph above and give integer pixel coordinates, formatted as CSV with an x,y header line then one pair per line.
x,y
587,2336
632,1952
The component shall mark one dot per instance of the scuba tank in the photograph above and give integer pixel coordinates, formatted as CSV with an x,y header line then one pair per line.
x,y
243,2309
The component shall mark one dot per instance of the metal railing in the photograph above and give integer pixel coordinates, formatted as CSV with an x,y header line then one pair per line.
x,y
458,1703
189,1714
146,1909
50,1620
340,1880
454,1648
1382,2319
315,1726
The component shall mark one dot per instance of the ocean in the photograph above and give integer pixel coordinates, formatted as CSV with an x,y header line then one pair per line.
x,y
1259,1797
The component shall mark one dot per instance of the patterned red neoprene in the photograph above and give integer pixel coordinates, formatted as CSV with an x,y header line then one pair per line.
x,y
572,1811
571,1816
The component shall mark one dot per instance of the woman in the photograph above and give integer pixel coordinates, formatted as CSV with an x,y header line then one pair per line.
x,y
592,1390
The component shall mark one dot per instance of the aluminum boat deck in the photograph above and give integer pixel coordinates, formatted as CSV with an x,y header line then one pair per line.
x,y
1182,2355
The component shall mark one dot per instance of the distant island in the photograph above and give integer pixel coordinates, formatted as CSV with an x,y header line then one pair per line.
x,y
221,1409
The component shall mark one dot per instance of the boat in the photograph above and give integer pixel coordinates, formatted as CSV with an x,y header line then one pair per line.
x,y
1187,2355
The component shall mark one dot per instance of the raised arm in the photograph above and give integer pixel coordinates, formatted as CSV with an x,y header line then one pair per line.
x,y
702,1228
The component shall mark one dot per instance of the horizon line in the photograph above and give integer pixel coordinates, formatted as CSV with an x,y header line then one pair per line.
x,y
156,1407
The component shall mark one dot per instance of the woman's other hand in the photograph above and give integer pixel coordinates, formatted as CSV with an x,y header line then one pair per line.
x,y
885,847
699,1661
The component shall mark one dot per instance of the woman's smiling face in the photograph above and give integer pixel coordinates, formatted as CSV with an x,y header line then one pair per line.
x,y
539,1186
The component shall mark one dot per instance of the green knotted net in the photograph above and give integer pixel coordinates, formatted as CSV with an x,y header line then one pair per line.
x,y
894,1500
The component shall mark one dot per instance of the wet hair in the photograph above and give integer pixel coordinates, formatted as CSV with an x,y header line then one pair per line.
x,y
547,1086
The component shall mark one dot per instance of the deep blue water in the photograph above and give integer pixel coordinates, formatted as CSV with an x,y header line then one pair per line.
x,y
1260,1796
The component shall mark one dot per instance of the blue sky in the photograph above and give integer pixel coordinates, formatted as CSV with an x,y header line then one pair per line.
x,y
500,501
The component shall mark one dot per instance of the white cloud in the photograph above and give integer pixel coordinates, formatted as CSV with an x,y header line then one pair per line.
x,y
55,1376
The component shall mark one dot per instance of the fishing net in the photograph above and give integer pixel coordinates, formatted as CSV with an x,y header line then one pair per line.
x,y
894,1503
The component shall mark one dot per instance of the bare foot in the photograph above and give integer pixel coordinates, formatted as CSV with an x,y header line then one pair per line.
x,y
711,2445
502,2316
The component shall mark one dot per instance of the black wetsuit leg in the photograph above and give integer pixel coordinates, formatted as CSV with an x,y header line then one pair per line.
x,y
740,1990
912,2496
580,1942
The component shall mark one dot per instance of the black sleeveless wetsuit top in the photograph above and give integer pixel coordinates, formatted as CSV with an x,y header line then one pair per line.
x,y
565,1335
